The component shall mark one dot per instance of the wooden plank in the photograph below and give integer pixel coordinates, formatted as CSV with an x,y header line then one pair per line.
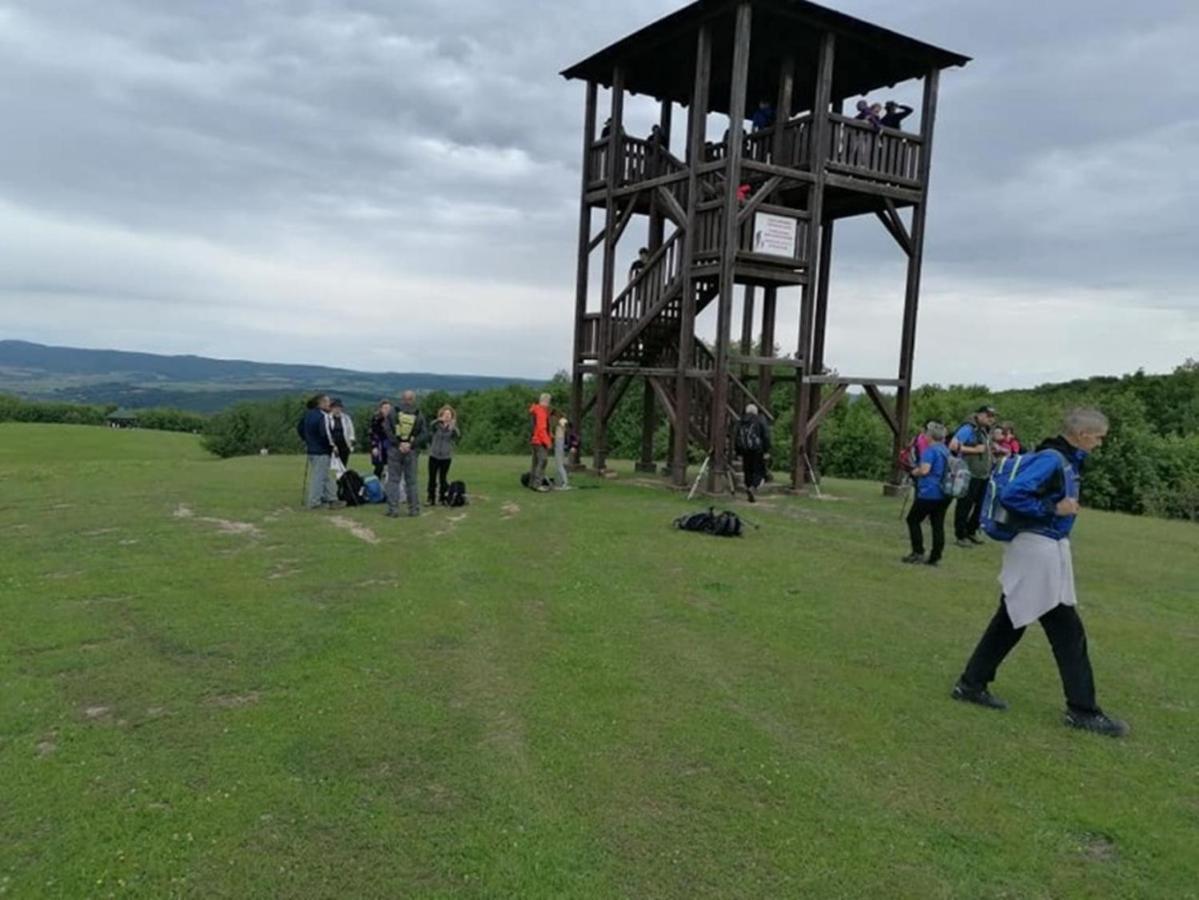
x,y
677,214
583,260
600,442
757,199
865,175
852,379
789,362
799,176
880,404
826,407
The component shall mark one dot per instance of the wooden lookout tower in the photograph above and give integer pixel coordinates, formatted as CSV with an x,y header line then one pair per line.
x,y
743,214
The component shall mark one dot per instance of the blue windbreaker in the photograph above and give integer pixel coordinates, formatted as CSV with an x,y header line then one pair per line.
x,y
928,487
1041,482
316,434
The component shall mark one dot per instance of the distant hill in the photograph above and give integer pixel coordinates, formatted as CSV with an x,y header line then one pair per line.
x,y
140,380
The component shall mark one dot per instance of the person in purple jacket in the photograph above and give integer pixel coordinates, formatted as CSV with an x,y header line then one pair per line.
x,y
931,502
1038,576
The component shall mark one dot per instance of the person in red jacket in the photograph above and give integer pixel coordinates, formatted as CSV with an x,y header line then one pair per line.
x,y
539,417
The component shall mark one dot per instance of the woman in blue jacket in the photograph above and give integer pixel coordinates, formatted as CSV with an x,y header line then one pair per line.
x,y
318,444
931,502
1038,576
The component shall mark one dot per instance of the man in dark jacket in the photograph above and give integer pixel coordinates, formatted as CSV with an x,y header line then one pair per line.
x,y
973,444
752,443
318,444
407,434
1038,576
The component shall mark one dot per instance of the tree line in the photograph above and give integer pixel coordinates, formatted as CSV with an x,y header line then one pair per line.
x,y
1148,466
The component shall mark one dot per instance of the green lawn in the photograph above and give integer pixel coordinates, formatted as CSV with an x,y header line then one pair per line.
x,y
205,692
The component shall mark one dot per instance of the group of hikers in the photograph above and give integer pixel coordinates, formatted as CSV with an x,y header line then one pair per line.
x,y
1033,503
398,435
981,445
1034,507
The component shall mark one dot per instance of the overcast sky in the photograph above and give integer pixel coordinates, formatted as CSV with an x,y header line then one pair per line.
x,y
393,184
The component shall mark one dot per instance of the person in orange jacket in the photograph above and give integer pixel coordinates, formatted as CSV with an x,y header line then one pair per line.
x,y
539,418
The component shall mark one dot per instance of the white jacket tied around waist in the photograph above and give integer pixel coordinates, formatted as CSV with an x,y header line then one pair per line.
x,y
1037,575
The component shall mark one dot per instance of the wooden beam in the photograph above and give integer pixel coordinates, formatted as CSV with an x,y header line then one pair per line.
x,y
583,260
852,379
600,448
758,198
821,101
623,220
884,410
621,390
677,214
867,187
907,346
782,106
825,266
799,176
769,312
696,130
739,79
826,407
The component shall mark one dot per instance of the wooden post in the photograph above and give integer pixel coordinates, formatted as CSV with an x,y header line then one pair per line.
x,y
747,328
907,348
718,435
817,365
782,108
766,373
615,167
657,222
818,154
649,425
697,120
582,275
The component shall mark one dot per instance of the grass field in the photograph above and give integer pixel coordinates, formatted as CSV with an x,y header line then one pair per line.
x,y
205,692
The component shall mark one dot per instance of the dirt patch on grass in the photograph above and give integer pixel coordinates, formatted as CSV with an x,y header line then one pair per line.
x,y
96,712
183,511
227,526
46,748
235,701
1098,848
359,531
96,532
509,510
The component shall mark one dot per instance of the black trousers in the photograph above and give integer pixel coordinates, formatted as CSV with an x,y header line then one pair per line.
x,y
343,452
1066,636
439,470
934,511
969,510
753,465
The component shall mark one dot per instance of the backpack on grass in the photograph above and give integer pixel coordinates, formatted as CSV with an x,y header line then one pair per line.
x,y
350,488
725,524
372,490
455,494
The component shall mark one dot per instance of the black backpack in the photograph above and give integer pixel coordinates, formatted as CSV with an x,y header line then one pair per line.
x,y
524,480
350,488
725,524
455,494
749,436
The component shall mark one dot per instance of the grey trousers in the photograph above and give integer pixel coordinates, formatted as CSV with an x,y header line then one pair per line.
x,y
401,480
560,461
320,488
537,467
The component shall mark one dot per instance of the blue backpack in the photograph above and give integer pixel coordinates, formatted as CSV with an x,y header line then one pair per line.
x,y
372,490
998,522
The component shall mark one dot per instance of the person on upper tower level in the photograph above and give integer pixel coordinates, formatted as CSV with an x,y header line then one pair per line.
x,y
895,114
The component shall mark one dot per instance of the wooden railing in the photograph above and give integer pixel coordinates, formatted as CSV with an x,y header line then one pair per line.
x,y
590,347
858,148
709,234
639,160
646,291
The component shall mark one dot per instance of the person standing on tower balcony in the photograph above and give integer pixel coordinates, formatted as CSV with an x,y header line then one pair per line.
x,y
894,114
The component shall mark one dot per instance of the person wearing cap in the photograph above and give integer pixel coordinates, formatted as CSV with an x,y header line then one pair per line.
x,y
341,430
972,443
1037,577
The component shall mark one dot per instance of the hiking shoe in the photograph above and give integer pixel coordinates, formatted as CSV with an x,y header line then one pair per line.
x,y
964,544
977,696
750,496
975,539
392,514
933,562
1096,722
335,504
913,558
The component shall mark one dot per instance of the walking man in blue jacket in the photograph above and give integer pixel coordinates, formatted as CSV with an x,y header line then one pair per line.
x,y
318,444
1038,576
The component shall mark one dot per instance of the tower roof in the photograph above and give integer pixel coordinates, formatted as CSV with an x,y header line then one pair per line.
x,y
659,59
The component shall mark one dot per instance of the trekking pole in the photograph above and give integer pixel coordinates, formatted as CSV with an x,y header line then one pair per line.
x,y
812,472
703,469
304,483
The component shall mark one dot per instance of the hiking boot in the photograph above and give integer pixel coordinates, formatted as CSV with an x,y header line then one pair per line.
x,y
392,514
977,696
975,539
913,558
933,562
413,513
964,544
335,504
1097,722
